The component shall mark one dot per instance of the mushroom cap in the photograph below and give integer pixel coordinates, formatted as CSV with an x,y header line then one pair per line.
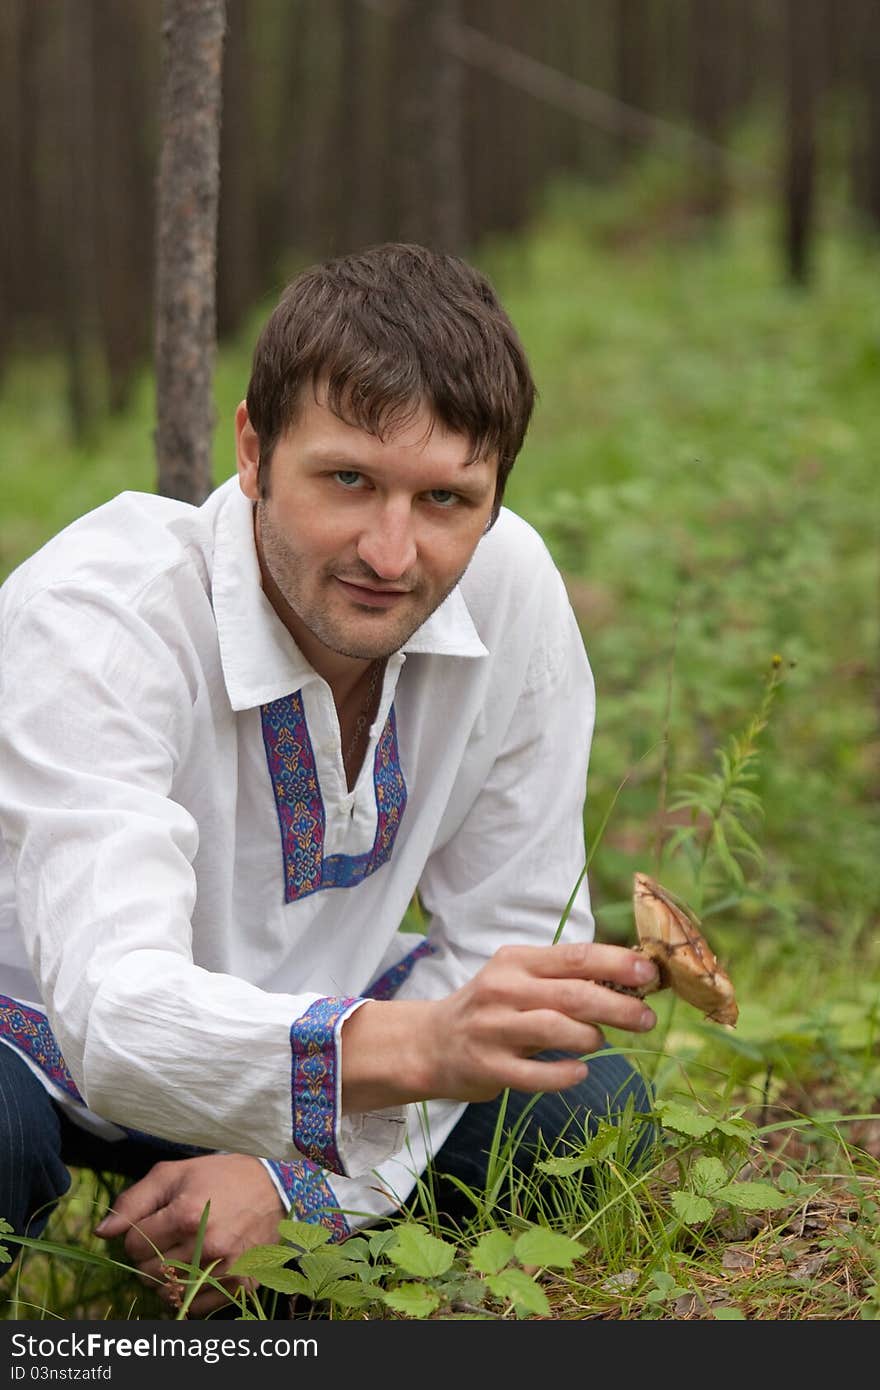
x,y
672,937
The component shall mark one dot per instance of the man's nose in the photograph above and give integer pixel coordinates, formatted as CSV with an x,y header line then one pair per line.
x,y
388,543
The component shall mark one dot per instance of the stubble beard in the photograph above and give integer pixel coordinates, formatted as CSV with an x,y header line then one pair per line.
x,y
294,577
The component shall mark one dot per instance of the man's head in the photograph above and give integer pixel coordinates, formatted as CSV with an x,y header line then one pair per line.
x,y
385,335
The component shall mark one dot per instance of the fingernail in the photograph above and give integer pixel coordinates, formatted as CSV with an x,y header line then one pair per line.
x,y
647,1019
645,970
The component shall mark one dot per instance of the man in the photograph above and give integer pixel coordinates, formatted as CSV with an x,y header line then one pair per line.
x,y
238,740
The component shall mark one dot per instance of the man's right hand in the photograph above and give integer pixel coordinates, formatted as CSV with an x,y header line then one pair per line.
x,y
160,1215
484,1037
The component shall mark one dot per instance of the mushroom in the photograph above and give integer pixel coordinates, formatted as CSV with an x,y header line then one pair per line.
x,y
671,936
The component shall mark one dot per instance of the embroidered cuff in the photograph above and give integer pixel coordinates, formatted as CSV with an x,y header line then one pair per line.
x,y
27,1030
316,1080
347,1144
307,1195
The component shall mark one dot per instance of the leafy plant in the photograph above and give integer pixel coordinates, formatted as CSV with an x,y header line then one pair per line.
x,y
410,1271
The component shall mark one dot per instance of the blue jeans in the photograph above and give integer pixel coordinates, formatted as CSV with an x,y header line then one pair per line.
x,y
557,1120
38,1141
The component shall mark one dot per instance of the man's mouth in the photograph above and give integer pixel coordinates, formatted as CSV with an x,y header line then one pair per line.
x,y
369,597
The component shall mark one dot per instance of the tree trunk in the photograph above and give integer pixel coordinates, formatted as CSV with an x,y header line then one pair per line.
x,y
238,276
412,79
77,200
801,58
865,155
188,189
124,193
431,187
11,228
633,63
447,102
710,43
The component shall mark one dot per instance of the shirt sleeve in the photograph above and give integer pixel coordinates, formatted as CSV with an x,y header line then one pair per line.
x,y
95,716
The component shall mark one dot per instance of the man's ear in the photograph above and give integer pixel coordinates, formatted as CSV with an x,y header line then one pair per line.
x,y
247,453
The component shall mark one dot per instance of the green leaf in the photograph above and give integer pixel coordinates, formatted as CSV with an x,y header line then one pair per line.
x,y
789,1181
469,1288
724,854
379,1242
538,1246
492,1252
351,1293
707,1175
286,1281
522,1291
728,1314
601,1147
680,838
745,843
308,1235
752,1196
321,1267
260,1259
413,1300
603,1144
665,1286
565,1167
736,1129
356,1248
690,1208
418,1252
663,1295
684,1118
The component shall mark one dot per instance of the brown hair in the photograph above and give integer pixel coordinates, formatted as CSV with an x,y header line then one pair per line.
x,y
386,331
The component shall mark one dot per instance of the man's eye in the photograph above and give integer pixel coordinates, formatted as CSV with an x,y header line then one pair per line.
x,y
442,497
347,476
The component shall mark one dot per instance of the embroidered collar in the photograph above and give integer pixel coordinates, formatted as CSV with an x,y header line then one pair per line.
x,y
261,662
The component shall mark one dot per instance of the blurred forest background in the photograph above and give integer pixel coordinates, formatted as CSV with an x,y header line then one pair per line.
x,y
347,122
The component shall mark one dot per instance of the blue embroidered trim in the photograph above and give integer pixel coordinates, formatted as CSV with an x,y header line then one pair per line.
x,y
310,1195
388,984
301,816
28,1030
313,1081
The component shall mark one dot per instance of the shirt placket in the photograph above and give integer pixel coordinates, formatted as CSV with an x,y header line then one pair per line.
x,y
351,816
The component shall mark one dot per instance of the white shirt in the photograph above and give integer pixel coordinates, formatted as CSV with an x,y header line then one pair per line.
x,y
191,900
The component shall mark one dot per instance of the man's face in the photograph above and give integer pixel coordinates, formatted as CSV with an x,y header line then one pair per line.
x,y
359,539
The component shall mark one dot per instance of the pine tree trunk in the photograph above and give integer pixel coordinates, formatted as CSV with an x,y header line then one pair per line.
x,y
865,157
124,192
800,167
710,54
633,62
412,80
188,188
447,93
75,171
238,275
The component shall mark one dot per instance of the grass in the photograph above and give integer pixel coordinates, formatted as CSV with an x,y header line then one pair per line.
x,y
702,466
